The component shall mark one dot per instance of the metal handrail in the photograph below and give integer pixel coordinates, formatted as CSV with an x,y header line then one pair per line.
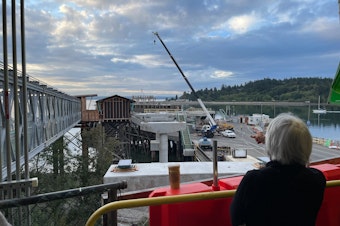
x,y
169,200
70,193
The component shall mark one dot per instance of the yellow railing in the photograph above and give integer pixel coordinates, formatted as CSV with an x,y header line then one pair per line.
x,y
168,200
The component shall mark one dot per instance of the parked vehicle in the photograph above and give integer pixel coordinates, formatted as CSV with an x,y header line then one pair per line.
x,y
205,143
228,133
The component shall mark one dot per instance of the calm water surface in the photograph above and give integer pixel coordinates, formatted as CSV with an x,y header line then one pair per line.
x,y
326,131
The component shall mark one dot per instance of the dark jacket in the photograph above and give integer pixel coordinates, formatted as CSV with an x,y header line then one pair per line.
x,y
278,195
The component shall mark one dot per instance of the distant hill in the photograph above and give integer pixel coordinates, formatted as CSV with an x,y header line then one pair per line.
x,y
292,89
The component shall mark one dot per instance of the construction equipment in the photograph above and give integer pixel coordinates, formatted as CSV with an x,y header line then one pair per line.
x,y
208,130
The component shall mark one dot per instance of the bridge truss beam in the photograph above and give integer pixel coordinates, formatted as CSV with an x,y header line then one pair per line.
x,y
49,114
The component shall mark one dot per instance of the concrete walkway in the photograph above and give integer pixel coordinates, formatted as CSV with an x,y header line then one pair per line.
x,y
150,175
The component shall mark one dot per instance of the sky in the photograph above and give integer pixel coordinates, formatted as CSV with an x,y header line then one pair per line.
x,y
108,47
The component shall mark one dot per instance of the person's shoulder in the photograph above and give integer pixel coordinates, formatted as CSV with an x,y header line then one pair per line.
x,y
316,175
316,172
259,176
267,169
269,172
253,173
250,178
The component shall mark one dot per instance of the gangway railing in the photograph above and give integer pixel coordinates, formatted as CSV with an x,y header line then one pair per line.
x,y
188,147
201,156
50,114
170,200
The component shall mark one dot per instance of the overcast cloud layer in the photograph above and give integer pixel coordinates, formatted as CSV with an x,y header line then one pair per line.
x,y
107,47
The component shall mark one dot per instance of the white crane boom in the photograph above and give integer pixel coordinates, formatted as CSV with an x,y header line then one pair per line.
x,y
211,120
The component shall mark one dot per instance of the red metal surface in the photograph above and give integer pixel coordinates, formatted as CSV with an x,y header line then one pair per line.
x,y
329,214
207,212
216,212
230,183
331,172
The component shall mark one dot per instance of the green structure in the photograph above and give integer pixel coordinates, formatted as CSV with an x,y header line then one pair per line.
x,y
334,94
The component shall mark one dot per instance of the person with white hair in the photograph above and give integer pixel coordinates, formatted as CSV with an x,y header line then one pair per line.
x,y
286,191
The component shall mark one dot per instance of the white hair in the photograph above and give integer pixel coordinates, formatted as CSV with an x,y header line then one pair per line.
x,y
288,140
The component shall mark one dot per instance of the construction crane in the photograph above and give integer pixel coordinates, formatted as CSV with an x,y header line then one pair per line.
x,y
207,130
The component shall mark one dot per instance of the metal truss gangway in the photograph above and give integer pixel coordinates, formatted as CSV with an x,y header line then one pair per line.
x,y
188,146
27,127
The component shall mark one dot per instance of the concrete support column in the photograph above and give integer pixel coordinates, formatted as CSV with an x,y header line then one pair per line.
x,y
163,129
163,148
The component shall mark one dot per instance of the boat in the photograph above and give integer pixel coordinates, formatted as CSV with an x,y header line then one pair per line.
x,y
319,111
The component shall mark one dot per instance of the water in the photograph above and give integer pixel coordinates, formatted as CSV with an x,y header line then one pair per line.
x,y
331,132
325,126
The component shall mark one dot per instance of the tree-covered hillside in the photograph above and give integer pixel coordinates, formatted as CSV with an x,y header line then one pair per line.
x,y
292,89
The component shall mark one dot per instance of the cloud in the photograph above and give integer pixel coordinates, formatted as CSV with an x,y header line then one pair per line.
x,y
222,74
323,27
107,47
243,23
147,60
